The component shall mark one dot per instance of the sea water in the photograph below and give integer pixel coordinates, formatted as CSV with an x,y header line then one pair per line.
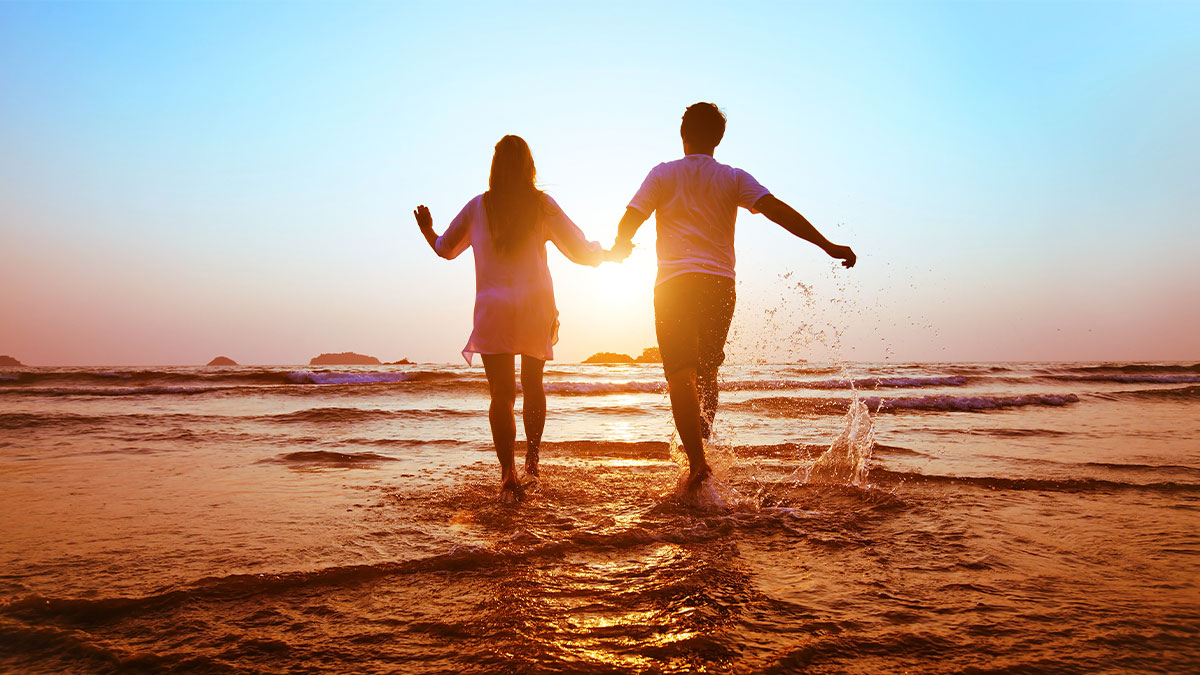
x,y
864,517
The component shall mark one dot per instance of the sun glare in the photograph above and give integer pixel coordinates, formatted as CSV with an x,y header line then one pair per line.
x,y
617,285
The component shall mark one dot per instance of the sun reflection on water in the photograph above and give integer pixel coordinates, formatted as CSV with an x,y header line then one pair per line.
x,y
589,614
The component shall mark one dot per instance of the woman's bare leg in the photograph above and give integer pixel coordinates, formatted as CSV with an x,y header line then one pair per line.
x,y
533,409
502,384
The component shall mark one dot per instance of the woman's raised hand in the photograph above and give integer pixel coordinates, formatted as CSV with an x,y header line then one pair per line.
x,y
425,222
424,218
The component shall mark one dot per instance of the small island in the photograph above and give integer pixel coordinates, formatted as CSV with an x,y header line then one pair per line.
x,y
401,362
344,359
609,357
649,355
6,360
222,361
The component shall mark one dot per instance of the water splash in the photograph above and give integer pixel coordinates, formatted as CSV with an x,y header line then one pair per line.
x,y
801,321
713,494
848,458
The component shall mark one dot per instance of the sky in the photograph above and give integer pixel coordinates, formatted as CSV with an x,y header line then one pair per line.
x,y
181,180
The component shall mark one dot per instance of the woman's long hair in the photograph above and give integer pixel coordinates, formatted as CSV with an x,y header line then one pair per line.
x,y
513,202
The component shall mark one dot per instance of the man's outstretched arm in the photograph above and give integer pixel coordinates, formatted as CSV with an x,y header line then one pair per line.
x,y
791,220
628,227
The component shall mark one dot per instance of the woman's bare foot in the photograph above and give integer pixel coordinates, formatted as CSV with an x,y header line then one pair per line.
x,y
531,463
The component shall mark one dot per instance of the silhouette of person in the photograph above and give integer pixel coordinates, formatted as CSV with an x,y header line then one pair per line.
x,y
508,227
696,199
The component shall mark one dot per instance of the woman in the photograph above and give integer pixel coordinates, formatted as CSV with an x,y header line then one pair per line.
x,y
508,227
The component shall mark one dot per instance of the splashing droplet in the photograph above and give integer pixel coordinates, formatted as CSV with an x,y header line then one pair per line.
x,y
848,458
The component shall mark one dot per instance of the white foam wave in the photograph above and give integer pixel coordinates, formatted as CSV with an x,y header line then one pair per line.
x,y
757,385
1131,379
604,387
308,377
967,403
858,383
111,391
906,382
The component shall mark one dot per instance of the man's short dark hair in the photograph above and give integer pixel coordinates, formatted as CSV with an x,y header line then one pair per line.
x,y
703,125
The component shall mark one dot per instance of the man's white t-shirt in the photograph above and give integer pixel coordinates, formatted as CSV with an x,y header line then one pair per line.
x,y
696,198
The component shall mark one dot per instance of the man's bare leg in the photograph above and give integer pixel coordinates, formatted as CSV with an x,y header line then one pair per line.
x,y
533,410
685,406
503,386
706,388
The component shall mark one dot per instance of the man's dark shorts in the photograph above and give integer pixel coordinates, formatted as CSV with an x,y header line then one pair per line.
x,y
691,316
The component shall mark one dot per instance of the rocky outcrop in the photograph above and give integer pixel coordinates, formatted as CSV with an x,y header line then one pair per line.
x,y
401,362
222,361
650,355
609,357
6,360
344,359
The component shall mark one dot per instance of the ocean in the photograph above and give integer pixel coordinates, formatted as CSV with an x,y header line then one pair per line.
x,y
867,517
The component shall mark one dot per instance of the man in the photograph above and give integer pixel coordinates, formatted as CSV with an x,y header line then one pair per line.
x,y
696,198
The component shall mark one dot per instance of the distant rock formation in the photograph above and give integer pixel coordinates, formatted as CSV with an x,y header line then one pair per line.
x,y
6,360
650,355
609,357
345,359
222,361
401,362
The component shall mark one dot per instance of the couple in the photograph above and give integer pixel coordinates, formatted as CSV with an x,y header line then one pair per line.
x,y
696,199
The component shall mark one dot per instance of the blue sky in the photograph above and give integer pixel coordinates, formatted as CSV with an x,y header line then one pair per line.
x,y
179,180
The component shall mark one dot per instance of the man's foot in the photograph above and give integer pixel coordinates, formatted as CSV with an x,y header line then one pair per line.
x,y
697,475
510,488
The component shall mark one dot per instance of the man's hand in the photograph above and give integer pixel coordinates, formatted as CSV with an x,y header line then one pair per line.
x,y
787,217
424,218
844,254
620,250
630,222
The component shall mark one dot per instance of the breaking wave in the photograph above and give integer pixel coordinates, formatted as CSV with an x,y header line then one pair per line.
x,y
152,390
166,382
970,403
199,377
1137,368
1181,393
1128,378
308,377
584,388
786,405
336,415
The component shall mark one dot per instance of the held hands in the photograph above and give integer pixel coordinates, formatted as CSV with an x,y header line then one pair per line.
x,y
424,218
620,250
609,255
